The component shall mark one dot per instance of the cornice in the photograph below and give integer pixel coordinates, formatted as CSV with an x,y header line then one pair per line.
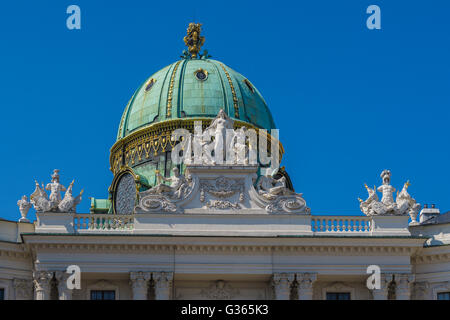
x,y
228,249
431,258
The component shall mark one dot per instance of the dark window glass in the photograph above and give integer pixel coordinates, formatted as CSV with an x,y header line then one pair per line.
x,y
2,294
443,296
201,75
103,295
249,85
150,84
338,295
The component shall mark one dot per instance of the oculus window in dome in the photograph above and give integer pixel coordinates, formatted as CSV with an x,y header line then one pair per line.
x,y
201,74
149,84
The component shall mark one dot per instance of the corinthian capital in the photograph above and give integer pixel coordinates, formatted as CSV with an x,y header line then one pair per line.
x,y
305,283
41,280
404,282
139,279
139,284
281,283
163,284
23,289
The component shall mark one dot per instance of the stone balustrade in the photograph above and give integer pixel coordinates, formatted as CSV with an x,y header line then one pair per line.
x,y
285,224
103,222
340,224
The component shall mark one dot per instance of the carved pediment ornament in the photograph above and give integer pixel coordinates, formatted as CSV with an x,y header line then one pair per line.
x,y
223,187
220,290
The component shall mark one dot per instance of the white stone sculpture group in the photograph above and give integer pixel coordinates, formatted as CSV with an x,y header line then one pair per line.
x,y
53,203
404,203
163,197
278,197
229,146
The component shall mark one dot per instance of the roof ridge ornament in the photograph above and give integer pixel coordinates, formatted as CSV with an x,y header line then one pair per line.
x,y
194,41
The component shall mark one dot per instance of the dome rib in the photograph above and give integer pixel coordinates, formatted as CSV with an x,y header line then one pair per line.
x,y
177,93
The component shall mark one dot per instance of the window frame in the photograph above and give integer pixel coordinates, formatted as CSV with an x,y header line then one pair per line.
x,y
102,285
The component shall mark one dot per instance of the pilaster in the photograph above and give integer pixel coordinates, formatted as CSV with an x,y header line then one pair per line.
x,y
23,289
305,283
281,283
163,284
42,284
139,284
404,282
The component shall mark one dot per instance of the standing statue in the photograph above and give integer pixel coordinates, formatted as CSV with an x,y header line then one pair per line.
x,y
219,128
387,190
240,147
55,190
404,203
54,203
24,207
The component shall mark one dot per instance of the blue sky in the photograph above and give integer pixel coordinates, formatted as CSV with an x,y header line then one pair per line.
x,y
349,101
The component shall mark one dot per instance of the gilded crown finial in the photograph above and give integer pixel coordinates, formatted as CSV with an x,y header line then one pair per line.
x,y
193,39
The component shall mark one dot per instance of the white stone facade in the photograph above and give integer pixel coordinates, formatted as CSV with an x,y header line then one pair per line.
x,y
245,249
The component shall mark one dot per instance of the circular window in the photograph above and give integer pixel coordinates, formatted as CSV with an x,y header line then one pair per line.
x,y
149,84
201,74
125,197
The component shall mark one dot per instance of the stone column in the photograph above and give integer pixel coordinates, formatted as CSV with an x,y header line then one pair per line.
x,y
63,292
305,285
163,284
382,293
139,284
23,289
281,283
422,291
41,282
404,282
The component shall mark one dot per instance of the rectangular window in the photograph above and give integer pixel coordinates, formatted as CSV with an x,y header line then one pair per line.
x,y
2,294
443,296
338,295
103,295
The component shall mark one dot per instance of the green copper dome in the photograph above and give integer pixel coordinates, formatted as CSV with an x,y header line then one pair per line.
x,y
194,88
